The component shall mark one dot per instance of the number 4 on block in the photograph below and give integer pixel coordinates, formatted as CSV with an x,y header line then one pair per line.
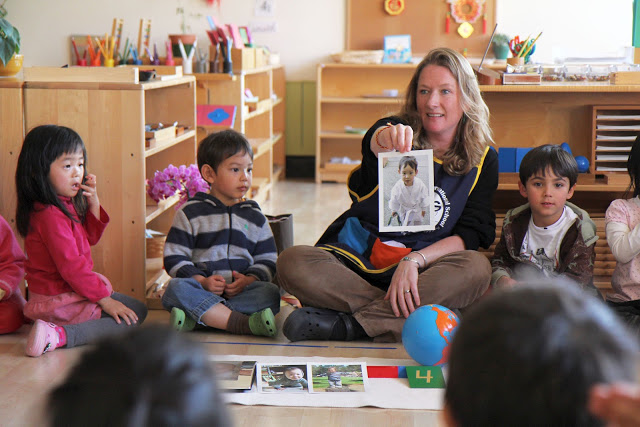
x,y
425,377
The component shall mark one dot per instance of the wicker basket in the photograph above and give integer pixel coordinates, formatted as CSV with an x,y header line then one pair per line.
x,y
359,57
155,246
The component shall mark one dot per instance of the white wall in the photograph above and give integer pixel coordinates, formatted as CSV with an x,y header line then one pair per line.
x,y
308,31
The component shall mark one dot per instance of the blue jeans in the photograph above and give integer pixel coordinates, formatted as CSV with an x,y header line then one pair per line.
x,y
189,295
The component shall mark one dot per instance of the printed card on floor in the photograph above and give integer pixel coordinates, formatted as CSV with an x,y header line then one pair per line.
x,y
234,374
292,378
406,197
338,378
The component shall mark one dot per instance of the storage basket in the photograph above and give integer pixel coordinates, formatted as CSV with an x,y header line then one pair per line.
x,y
359,57
155,246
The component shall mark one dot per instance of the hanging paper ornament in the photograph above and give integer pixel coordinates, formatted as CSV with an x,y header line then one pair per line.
x,y
466,10
465,30
393,7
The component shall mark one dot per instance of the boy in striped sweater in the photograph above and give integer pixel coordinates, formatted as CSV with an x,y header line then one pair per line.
x,y
220,249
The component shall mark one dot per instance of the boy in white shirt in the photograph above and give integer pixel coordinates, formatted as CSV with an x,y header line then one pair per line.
x,y
408,199
548,236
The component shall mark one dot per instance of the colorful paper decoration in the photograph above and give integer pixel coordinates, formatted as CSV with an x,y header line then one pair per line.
x,y
394,7
466,10
425,377
465,30
216,115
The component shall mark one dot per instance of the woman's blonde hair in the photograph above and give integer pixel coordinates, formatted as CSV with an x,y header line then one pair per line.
x,y
473,133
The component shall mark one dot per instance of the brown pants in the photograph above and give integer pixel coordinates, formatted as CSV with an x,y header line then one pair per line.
x,y
319,279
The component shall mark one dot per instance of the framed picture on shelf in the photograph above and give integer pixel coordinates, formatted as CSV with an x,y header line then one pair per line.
x,y
397,49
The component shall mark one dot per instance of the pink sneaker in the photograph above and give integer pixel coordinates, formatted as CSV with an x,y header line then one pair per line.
x,y
42,338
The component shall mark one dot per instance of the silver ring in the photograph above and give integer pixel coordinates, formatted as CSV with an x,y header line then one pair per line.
x,y
408,291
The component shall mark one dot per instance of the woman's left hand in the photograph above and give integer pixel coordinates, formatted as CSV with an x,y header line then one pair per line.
x,y
403,291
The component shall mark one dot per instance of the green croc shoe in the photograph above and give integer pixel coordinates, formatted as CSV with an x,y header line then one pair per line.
x,y
180,321
263,323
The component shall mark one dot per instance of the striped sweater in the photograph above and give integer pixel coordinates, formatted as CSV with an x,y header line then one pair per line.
x,y
208,237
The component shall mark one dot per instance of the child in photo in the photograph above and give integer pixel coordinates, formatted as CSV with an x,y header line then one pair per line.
x,y
408,201
334,377
220,249
548,236
60,217
622,221
293,378
11,274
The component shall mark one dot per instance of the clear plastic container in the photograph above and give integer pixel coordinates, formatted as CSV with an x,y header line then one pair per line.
x,y
576,73
600,72
552,73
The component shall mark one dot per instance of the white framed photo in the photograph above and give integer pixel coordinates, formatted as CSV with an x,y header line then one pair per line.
x,y
405,188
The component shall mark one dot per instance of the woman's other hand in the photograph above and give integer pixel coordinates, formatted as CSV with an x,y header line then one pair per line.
x,y
403,291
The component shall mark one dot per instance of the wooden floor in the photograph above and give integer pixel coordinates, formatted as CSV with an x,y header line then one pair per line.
x,y
25,381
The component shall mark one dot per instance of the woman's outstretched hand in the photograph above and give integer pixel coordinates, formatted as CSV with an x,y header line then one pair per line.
x,y
392,137
404,279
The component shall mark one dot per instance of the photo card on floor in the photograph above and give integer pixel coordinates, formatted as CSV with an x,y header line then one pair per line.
x,y
338,378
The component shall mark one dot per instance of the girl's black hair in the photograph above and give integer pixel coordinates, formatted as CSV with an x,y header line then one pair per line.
x,y
41,147
633,167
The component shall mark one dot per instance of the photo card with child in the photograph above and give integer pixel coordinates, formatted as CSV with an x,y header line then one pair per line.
x,y
338,378
406,191
276,378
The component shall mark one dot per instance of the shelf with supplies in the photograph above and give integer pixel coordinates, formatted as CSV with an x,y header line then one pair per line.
x,y
615,129
111,119
261,119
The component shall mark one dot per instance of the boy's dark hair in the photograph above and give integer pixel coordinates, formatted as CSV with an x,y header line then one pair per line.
x,y
529,355
217,147
633,167
410,161
151,376
41,147
549,156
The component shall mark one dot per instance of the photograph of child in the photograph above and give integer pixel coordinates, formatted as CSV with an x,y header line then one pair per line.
x,y
338,378
406,185
279,378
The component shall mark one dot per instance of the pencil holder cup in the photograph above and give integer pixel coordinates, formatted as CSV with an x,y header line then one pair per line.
x,y
96,62
109,63
81,63
187,67
137,62
227,67
214,66
201,66
515,61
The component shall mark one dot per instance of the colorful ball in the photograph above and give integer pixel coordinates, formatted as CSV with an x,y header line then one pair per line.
x,y
583,164
566,148
427,334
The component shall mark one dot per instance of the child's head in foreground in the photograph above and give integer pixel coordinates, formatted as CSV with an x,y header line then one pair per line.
x,y
528,356
548,175
293,373
408,168
52,164
152,376
225,161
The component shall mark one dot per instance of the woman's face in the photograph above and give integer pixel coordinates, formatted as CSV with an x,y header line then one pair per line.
x,y
438,100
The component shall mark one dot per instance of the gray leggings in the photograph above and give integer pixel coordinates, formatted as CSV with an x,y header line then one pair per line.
x,y
92,330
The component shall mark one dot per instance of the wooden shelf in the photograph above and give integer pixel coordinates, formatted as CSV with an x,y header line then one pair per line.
x,y
264,127
190,134
361,100
154,211
111,121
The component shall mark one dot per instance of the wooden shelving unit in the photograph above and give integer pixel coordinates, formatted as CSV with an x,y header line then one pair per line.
x,y
110,118
615,129
264,127
350,95
11,137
